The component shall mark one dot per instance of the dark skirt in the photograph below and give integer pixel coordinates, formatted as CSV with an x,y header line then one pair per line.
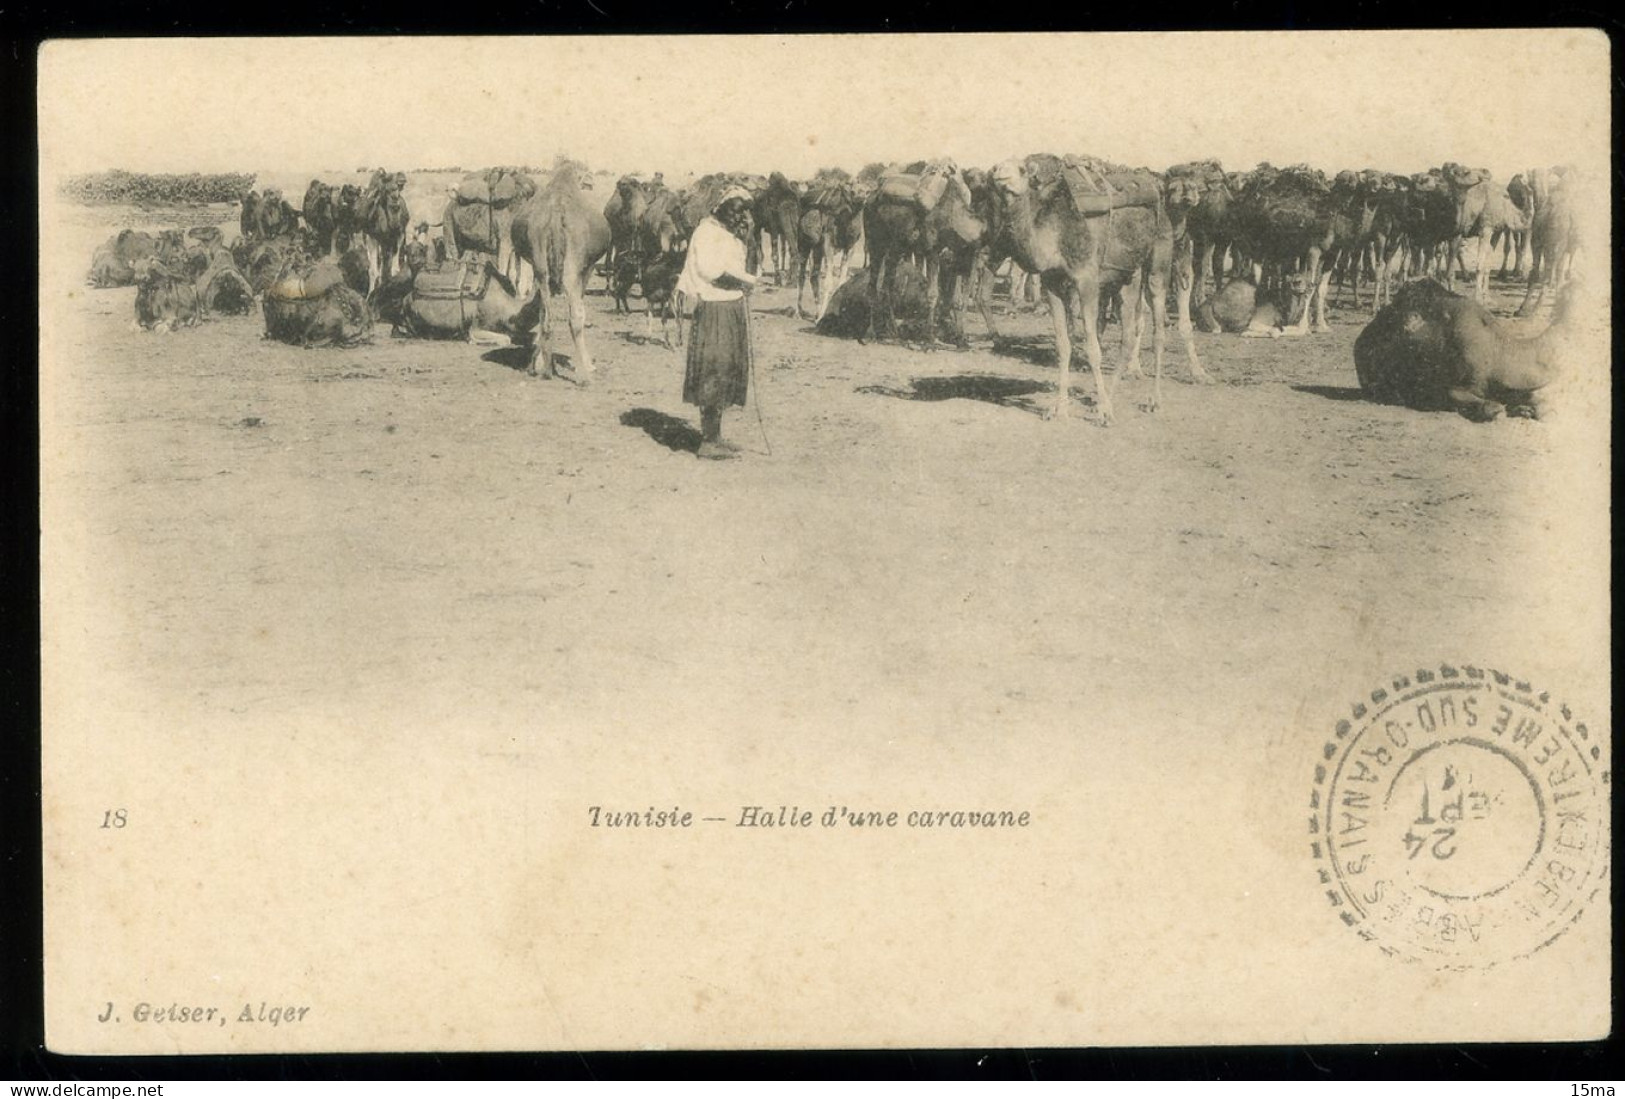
x,y
718,355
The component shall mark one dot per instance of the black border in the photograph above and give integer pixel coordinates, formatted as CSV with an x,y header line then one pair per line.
x,y
22,1054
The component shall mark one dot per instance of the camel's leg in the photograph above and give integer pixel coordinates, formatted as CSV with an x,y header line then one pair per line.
x,y
834,283
984,297
575,286
1481,277
1186,274
1320,302
933,294
1531,300
1475,407
876,282
1133,325
1157,285
1058,295
1089,314
541,353
815,263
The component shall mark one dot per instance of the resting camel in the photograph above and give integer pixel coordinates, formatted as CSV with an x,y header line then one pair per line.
x,y
1432,349
1084,247
562,232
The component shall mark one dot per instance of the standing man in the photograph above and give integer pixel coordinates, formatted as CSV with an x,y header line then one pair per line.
x,y
715,278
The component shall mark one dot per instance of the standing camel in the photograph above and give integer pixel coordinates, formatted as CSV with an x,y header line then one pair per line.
x,y
1208,228
1290,217
479,215
1084,247
624,212
1554,235
321,216
562,232
1482,210
830,227
778,213
927,213
383,216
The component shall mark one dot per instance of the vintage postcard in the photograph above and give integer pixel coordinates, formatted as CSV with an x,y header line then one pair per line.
x,y
822,541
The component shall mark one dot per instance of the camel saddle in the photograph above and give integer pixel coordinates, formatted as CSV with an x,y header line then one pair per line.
x,y
314,284
925,189
452,282
1097,188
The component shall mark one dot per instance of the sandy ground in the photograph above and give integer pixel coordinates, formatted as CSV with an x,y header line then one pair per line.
x,y
415,518
366,631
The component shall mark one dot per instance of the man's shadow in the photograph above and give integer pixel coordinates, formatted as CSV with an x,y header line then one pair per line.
x,y
668,431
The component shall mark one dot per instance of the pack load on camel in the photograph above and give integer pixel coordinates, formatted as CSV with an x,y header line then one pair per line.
x,y
479,216
1096,187
451,302
1434,350
923,183
315,307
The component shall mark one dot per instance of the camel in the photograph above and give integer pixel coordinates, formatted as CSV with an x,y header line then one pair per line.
x,y
1429,221
273,217
624,212
1515,242
248,218
777,211
1085,243
383,218
562,232
664,227
830,226
347,232
119,261
1482,209
321,215
451,302
1554,236
479,215
1386,197
1432,349
1238,308
1294,215
901,221
1208,228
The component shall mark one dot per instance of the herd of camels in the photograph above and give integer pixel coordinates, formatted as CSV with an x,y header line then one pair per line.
x,y
1090,233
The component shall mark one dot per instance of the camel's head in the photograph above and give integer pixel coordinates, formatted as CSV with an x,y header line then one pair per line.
x,y
1010,177
272,196
1182,193
1462,177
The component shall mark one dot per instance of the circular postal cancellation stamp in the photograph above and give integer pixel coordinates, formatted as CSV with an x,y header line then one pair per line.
x,y
1460,817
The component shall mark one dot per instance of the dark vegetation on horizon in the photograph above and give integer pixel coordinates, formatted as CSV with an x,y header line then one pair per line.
x,y
117,186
